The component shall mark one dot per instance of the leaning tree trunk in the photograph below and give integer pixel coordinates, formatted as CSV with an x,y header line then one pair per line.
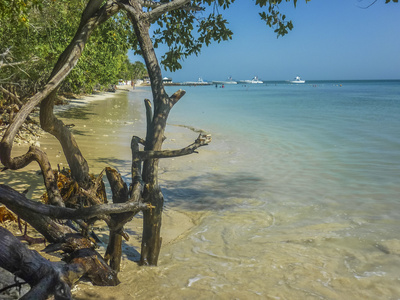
x,y
91,18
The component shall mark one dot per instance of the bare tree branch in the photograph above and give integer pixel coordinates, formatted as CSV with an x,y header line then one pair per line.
x,y
11,95
45,278
92,17
368,6
149,118
10,196
155,13
176,96
202,140
5,65
155,4
117,222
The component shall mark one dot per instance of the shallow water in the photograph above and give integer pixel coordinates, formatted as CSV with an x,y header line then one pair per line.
x,y
306,186
297,196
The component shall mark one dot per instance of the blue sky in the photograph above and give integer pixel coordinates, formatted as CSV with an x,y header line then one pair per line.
x,y
330,40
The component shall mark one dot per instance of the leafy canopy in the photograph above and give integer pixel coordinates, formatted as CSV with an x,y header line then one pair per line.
x,y
34,33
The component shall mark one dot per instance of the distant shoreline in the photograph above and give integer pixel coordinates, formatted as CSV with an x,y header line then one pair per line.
x,y
266,82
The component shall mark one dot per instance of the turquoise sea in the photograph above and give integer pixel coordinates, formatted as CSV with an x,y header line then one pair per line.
x,y
326,151
297,196
299,193
304,193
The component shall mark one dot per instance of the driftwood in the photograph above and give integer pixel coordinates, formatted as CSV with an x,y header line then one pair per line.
x,y
44,277
63,238
54,278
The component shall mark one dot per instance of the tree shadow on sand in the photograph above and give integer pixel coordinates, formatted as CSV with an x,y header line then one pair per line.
x,y
212,191
30,182
79,112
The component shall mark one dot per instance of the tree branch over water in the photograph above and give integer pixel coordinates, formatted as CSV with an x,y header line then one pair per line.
x,y
202,140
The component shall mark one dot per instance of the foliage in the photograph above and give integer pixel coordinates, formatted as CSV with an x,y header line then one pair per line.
x,y
104,57
131,71
15,12
37,33
175,29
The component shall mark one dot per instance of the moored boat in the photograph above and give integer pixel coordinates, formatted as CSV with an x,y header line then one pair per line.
x,y
255,80
297,80
229,81
200,81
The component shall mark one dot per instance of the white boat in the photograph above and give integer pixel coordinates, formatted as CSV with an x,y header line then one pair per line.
x,y
253,81
229,81
200,81
297,80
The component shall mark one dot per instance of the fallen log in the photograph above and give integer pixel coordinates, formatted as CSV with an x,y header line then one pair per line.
x,y
45,278
79,249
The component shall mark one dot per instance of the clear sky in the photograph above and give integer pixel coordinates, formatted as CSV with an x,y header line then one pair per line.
x,y
330,40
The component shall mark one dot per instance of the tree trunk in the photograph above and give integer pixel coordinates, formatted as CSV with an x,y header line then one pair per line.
x,y
91,18
145,186
156,123
151,239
